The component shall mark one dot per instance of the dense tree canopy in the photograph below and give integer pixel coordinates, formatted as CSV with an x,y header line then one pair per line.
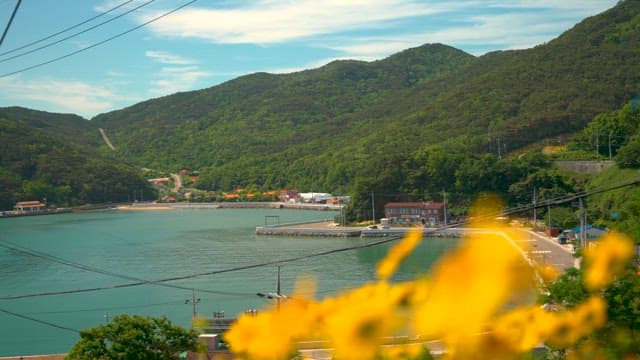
x,y
134,337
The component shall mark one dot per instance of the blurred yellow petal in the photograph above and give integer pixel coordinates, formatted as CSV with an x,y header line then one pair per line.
x,y
360,320
470,285
547,272
390,263
606,259
522,329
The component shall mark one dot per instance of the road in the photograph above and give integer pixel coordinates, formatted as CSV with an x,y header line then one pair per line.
x,y
546,250
177,182
106,139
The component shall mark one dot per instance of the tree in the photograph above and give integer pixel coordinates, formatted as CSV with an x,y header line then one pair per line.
x,y
620,337
134,337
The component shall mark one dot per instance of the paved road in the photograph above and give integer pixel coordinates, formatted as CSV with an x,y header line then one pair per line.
x,y
547,250
177,181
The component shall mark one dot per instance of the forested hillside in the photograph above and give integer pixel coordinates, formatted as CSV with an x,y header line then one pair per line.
x,y
350,123
35,164
423,121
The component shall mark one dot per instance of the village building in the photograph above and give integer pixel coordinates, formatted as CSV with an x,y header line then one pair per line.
x,y
428,213
29,206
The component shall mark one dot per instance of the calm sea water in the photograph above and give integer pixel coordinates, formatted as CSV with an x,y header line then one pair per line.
x,y
155,245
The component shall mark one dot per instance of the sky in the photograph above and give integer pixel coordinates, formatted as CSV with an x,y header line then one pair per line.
x,y
88,57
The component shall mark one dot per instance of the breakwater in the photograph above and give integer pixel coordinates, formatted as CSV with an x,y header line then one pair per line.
x,y
237,205
329,229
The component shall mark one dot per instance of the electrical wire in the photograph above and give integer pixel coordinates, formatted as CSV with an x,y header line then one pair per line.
x,y
56,259
191,276
106,308
66,29
22,316
100,42
77,33
554,201
13,15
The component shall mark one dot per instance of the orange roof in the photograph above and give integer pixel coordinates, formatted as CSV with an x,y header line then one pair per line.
x,y
29,203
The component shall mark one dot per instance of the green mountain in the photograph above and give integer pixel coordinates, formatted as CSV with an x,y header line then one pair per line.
x,y
420,121
52,157
330,127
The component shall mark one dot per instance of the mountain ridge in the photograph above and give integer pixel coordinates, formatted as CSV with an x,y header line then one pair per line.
x,y
324,128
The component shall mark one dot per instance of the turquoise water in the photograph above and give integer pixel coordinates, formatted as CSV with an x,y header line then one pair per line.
x,y
156,245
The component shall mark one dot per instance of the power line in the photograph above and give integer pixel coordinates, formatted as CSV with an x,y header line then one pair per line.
x,y
75,34
100,42
56,259
191,276
13,15
179,302
66,29
518,209
22,316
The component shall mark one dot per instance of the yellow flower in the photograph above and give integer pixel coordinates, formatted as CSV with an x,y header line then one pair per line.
x,y
469,286
274,334
571,325
521,329
390,263
403,351
547,272
605,260
358,322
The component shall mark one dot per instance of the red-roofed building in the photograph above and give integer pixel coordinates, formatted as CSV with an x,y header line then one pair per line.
x,y
27,206
428,213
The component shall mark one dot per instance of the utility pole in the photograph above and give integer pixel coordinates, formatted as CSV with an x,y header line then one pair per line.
x,y
373,208
444,197
277,295
278,291
583,242
535,215
597,145
193,301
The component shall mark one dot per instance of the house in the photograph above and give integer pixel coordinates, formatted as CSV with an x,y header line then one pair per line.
x,y
429,213
590,232
288,195
27,206
159,180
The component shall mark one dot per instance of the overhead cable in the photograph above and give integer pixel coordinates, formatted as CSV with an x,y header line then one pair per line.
x,y
77,33
50,257
13,15
98,43
518,209
66,29
22,316
191,276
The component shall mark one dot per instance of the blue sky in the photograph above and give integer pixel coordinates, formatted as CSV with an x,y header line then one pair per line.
x,y
209,42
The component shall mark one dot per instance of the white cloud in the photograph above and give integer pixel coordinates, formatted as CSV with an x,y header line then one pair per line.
x,y
180,74
269,21
60,96
174,79
503,24
520,24
164,57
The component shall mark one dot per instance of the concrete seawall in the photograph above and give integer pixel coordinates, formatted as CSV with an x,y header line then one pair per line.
x,y
328,229
235,205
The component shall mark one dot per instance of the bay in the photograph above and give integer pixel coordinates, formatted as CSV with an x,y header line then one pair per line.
x,y
214,252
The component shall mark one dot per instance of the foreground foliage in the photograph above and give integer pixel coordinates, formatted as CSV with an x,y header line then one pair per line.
x,y
134,337
462,303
